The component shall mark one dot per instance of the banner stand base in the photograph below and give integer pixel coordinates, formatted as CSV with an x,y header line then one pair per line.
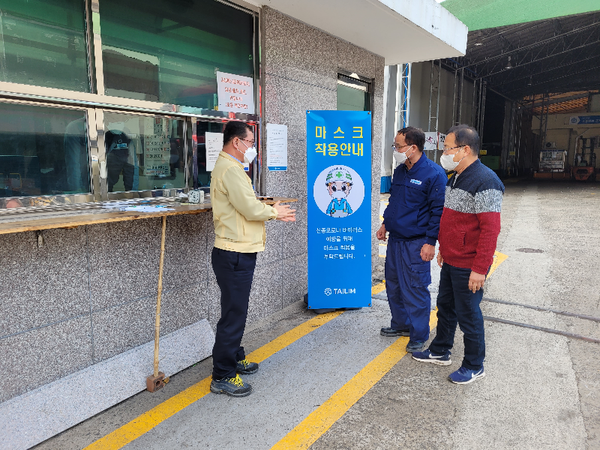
x,y
325,310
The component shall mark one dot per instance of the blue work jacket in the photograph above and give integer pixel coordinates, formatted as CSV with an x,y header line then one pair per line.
x,y
416,201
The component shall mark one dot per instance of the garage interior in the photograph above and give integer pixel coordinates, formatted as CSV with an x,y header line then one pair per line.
x,y
534,90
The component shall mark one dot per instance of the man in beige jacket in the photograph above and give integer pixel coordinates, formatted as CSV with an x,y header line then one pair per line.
x,y
239,219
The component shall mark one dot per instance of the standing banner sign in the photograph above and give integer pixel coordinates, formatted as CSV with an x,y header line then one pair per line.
x,y
339,208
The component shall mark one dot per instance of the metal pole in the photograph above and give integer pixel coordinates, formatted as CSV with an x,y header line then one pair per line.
x,y
479,97
408,83
437,109
439,91
546,118
460,97
518,143
482,115
430,95
474,107
455,88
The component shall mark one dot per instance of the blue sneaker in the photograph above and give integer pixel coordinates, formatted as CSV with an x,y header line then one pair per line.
x,y
415,346
427,356
465,376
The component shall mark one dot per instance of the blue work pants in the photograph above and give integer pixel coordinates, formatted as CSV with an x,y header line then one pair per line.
x,y
407,278
457,304
234,272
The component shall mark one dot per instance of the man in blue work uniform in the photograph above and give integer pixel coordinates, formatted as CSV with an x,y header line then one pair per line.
x,y
412,219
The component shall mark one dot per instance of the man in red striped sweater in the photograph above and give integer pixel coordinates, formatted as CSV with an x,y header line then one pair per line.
x,y
469,230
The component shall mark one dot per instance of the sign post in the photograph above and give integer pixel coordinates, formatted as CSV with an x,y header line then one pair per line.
x,y
339,209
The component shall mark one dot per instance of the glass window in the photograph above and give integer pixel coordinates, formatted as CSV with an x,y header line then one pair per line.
x,y
203,127
352,94
216,127
168,50
43,151
143,152
42,43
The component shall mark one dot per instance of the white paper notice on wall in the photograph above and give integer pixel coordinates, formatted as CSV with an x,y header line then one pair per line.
x,y
236,93
434,140
214,145
276,147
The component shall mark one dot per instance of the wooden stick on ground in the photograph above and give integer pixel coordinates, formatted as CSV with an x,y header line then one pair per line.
x,y
160,274
156,382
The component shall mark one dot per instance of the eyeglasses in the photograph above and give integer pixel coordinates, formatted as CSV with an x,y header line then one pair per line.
x,y
398,147
446,150
247,140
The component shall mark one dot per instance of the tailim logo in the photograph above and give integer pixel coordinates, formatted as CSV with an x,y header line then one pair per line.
x,y
336,291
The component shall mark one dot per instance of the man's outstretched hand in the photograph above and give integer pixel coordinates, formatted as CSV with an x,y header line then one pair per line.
x,y
285,213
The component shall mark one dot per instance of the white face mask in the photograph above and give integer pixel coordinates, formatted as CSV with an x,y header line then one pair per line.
x,y
338,194
448,163
401,157
250,155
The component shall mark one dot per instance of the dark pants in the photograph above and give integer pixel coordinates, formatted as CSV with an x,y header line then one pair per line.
x,y
407,278
234,272
457,304
116,163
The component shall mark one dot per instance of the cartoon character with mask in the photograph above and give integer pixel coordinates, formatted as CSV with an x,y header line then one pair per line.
x,y
339,184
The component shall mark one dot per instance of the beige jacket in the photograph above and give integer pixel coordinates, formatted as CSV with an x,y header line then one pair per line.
x,y
239,217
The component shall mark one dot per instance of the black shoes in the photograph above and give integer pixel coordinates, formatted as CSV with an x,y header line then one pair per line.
x,y
234,387
392,332
246,367
415,346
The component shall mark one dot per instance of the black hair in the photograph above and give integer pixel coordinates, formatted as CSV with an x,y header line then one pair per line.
x,y
235,129
413,136
466,135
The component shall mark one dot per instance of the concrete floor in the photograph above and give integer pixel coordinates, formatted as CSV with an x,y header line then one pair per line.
x,y
541,390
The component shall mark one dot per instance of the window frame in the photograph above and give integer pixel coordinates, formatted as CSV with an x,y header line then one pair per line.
x,y
96,103
358,82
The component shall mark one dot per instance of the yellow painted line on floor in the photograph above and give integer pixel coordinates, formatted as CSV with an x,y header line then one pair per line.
x,y
378,288
322,418
144,423
499,258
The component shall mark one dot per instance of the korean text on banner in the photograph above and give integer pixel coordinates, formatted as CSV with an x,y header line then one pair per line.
x,y
339,208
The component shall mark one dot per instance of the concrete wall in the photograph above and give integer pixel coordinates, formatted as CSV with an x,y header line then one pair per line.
x,y
300,69
89,293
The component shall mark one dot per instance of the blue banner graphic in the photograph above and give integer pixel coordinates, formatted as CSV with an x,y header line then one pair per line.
x,y
339,208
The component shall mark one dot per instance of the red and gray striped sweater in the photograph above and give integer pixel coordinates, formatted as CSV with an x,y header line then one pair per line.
x,y
470,221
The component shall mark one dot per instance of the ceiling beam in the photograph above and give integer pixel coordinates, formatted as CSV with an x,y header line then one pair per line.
x,y
542,69
534,45
586,83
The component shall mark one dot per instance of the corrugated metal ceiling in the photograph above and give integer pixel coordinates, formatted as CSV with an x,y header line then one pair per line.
x,y
560,55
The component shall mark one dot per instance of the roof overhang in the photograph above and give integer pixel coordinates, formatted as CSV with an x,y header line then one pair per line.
x,y
479,14
402,31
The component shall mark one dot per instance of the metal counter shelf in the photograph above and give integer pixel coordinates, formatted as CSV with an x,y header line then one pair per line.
x,y
70,216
